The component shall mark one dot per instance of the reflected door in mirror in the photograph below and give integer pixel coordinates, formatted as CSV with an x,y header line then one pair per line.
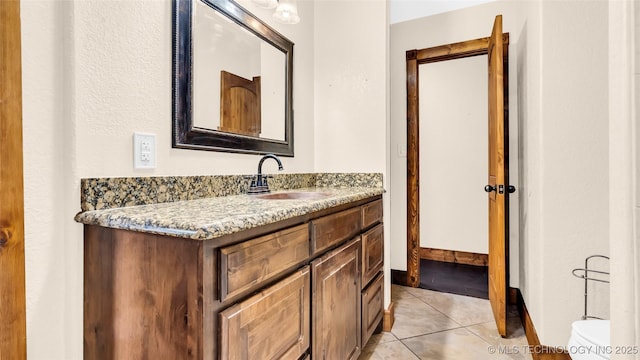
x,y
239,104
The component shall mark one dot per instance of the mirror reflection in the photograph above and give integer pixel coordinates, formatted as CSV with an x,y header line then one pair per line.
x,y
238,79
232,80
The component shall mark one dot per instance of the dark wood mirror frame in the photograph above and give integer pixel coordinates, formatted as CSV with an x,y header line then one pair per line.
x,y
188,136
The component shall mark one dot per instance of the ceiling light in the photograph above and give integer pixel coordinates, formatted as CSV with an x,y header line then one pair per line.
x,y
287,12
267,4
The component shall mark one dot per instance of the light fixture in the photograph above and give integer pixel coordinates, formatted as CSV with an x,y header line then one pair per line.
x,y
287,12
267,4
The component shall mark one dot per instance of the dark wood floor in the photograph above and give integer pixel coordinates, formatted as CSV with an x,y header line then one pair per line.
x,y
454,278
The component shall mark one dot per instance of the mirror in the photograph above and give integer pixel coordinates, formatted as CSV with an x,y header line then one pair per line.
x,y
232,80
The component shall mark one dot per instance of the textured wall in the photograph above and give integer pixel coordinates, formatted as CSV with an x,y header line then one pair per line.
x,y
624,77
93,73
123,84
350,87
97,71
558,92
529,82
46,166
574,160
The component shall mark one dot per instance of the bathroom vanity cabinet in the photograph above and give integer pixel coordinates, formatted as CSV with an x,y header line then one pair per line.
x,y
308,287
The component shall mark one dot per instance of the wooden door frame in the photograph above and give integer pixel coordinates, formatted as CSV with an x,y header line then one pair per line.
x,y
415,58
12,272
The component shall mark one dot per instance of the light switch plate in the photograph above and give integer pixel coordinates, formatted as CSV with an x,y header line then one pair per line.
x,y
144,150
402,150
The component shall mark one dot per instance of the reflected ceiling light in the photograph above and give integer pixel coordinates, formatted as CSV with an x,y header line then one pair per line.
x,y
267,4
287,12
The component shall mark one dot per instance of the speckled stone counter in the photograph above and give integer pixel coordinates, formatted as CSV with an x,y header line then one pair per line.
x,y
212,215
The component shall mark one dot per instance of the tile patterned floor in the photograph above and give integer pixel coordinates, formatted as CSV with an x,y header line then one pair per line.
x,y
431,325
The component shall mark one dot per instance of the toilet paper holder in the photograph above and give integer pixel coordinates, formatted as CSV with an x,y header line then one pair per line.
x,y
590,275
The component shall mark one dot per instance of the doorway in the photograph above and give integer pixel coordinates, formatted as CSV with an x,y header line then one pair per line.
x,y
453,213
495,47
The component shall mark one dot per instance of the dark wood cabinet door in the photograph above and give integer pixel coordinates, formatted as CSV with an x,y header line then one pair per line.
x,y
372,253
336,303
273,324
372,307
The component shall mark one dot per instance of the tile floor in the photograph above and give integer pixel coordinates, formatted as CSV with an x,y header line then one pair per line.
x,y
431,325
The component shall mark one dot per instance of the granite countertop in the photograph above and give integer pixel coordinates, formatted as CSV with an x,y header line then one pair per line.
x,y
209,218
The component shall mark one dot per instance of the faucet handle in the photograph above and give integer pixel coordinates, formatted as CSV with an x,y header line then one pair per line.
x,y
258,184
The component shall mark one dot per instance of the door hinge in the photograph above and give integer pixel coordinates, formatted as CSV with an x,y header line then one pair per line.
x,y
511,189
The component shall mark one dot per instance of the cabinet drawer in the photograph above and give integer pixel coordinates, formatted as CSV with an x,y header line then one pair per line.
x,y
372,308
274,324
372,253
371,213
335,228
248,264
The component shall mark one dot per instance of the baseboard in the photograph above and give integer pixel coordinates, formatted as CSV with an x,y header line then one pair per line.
x,y
399,277
453,256
388,318
539,352
513,296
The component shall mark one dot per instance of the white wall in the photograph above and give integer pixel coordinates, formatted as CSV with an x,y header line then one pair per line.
x,y
403,10
563,105
453,110
560,74
455,26
350,69
529,69
96,71
123,84
624,78
93,73
52,321
350,86
574,152
549,253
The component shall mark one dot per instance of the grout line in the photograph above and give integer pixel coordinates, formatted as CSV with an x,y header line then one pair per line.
x,y
489,343
461,326
431,333
445,314
438,310
441,331
410,350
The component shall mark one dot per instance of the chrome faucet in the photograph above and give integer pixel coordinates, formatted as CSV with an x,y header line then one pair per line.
x,y
260,185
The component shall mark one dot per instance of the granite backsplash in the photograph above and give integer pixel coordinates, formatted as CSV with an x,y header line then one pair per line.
x,y
108,193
